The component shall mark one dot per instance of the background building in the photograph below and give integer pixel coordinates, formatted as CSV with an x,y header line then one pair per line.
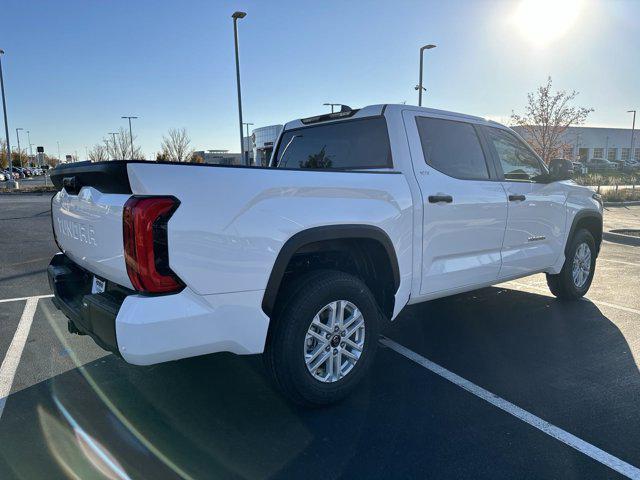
x,y
259,145
264,139
585,143
219,157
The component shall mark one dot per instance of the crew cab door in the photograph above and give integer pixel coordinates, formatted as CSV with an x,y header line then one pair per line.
x,y
535,227
464,206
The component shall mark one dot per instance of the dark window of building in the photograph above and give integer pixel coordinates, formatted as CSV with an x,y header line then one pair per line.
x,y
452,148
346,145
517,161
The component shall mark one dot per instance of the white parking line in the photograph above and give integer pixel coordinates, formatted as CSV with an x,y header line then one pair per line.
x,y
520,286
600,259
5,300
14,352
565,437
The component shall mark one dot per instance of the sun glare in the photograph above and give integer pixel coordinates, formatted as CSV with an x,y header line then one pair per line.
x,y
543,21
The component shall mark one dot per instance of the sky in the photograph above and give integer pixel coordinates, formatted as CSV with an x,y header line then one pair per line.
x,y
72,68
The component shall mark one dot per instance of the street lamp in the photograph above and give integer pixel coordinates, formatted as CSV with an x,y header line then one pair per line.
x,y
115,148
130,133
633,128
19,151
6,124
332,105
30,147
247,126
419,87
236,16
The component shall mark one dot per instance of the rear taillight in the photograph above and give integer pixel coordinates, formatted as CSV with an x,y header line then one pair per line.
x,y
146,250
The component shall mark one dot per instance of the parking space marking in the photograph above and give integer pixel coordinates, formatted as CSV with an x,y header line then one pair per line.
x,y
565,437
14,352
600,259
596,302
5,300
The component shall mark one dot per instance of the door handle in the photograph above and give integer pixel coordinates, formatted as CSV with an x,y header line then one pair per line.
x,y
440,198
516,198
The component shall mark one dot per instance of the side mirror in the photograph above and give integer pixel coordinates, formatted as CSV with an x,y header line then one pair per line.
x,y
561,169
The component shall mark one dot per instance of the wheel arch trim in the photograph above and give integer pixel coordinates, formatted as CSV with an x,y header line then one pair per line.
x,y
581,215
319,234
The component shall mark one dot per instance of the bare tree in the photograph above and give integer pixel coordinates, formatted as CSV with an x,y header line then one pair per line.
x,y
176,145
546,117
121,149
98,153
3,154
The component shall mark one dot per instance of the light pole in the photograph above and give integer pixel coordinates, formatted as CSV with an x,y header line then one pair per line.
x,y
247,127
19,151
419,87
236,16
633,128
332,105
59,159
30,146
130,133
6,124
115,148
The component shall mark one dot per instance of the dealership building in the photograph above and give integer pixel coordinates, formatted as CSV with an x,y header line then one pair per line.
x,y
259,145
586,143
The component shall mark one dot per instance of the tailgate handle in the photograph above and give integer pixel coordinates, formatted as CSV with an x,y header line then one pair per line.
x,y
440,198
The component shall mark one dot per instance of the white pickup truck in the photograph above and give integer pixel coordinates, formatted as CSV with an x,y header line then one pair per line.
x,y
361,213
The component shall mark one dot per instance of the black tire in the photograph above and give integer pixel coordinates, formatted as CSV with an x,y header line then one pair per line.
x,y
284,353
562,284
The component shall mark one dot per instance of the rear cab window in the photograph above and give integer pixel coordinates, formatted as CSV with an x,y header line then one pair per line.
x,y
355,144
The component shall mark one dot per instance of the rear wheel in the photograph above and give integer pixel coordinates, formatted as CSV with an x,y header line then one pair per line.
x,y
576,275
323,338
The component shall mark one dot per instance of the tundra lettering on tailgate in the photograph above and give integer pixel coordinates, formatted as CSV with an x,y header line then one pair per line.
x,y
77,231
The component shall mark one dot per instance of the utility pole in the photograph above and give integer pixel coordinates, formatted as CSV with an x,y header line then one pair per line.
x,y
130,133
6,125
30,147
247,126
633,128
236,16
19,151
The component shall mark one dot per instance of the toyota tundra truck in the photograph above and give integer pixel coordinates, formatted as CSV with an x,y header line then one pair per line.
x,y
359,214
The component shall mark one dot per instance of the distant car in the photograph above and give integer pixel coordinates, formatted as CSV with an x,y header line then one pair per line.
x,y
3,177
630,165
600,165
579,168
8,174
19,172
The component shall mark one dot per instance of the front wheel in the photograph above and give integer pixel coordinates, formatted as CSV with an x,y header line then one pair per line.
x,y
576,275
323,338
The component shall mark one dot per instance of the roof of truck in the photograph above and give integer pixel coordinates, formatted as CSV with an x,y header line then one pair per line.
x,y
380,109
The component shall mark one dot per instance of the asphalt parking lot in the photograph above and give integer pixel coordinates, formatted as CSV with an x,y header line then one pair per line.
x,y
504,382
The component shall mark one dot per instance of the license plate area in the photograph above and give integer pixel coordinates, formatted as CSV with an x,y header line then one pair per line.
x,y
98,285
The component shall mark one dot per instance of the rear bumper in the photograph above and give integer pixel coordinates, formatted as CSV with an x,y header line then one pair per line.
x,y
88,314
145,330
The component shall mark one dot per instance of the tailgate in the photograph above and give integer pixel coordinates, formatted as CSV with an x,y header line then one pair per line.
x,y
88,229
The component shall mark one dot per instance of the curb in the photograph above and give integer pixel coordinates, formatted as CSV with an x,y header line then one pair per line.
x,y
620,238
622,204
26,192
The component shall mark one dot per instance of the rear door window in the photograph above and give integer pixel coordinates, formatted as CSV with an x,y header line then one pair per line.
x,y
452,148
345,145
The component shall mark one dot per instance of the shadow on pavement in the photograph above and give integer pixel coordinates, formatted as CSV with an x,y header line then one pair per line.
x,y
216,417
